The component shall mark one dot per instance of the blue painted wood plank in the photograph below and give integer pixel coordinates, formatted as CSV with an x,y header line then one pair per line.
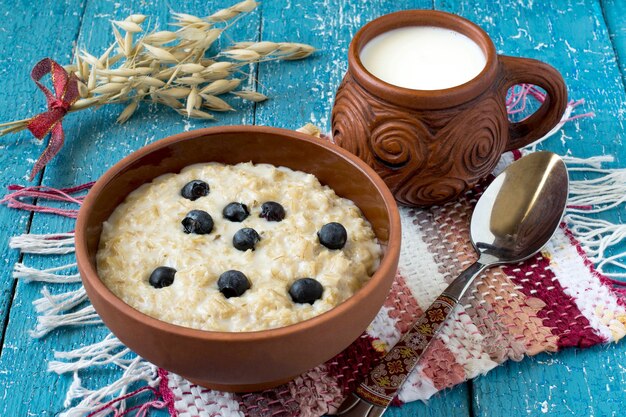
x,y
614,12
305,93
93,143
590,382
573,37
20,49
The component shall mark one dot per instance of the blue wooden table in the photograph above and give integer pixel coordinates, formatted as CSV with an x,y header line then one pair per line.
x,y
584,39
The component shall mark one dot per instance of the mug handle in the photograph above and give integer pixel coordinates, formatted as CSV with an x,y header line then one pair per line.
x,y
531,71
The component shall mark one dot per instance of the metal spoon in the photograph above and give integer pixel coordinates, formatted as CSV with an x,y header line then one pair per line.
x,y
515,217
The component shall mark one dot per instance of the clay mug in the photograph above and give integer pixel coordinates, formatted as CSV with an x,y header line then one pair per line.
x,y
430,146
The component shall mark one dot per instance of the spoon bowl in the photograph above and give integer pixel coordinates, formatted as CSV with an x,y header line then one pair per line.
x,y
520,210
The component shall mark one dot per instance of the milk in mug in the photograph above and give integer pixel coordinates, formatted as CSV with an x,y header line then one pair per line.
x,y
423,57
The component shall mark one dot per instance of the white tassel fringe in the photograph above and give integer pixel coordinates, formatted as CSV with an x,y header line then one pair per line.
x,y
106,352
48,322
50,244
58,303
21,271
109,351
604,192
138,370
593,162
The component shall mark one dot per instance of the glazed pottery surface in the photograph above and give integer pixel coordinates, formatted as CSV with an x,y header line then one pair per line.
x,y
252,360
430,146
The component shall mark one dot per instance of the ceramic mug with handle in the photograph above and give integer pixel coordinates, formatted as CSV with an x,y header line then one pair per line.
x,y
432,145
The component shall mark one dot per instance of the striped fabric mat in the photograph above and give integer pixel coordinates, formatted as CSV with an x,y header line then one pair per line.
x,y
554,300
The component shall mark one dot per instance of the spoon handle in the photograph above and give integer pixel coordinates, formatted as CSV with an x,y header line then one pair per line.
x,y
380,386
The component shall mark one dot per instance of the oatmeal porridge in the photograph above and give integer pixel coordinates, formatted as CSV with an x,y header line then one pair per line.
x,y
236,248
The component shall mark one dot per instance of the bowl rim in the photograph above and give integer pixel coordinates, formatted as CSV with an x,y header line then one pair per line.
x,y
89,272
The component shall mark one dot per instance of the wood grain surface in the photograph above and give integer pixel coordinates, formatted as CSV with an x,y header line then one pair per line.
x,y
585,40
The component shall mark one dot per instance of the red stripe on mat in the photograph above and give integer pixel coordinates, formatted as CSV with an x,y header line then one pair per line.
x,y
560,313
350,366
441,366
402,304
166,392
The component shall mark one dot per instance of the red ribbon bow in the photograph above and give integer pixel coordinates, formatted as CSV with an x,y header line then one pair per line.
x,y
66,93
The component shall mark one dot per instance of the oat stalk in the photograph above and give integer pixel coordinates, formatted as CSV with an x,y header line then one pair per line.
x,y
174,68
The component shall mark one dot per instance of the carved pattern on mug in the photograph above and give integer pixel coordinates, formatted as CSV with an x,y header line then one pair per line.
x,y
433,190
474,152
392,149
349,120
399,142
423,160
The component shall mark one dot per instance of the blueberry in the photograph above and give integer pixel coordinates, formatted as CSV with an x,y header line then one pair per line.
x,y
272,211
245,239
198,221
195,189
162,276
306,290
233,283
333,235
236,212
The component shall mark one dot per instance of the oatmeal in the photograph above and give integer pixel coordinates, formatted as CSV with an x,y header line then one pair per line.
x,y
236,248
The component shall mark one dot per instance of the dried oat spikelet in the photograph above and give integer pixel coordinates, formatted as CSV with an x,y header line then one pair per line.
x,y
190,80
108,88
160,38
161,54
310,129
233,11
127,112
127,25
198,114
192,68
136,18
250,95
242,55
188,20
84,103
175,92
220,87
299,52
215,103
269,50
191,101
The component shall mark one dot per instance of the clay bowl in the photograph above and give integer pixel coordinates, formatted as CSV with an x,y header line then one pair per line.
x,y
247,361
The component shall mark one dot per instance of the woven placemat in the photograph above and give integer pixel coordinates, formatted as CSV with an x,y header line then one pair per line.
x,y
551,301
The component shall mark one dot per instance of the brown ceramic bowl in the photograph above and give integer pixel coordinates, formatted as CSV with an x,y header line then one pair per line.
x,y
252,360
